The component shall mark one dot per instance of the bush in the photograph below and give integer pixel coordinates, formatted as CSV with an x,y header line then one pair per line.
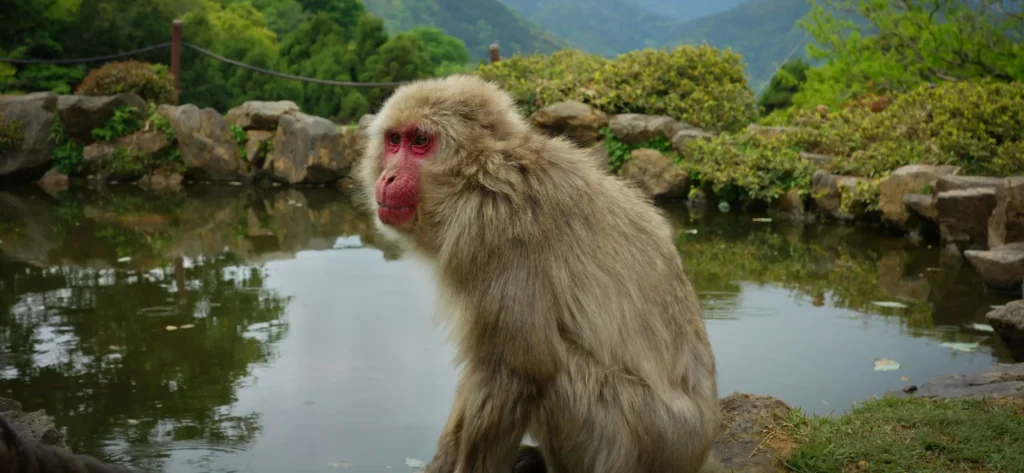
x,y
11,133
699,85
152,82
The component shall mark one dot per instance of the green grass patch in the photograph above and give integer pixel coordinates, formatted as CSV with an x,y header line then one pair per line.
x,y
892,434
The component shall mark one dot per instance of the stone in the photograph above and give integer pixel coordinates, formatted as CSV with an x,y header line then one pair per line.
x,y
634,128
161,181
750,442
790,206
963,216
353,142
922,205
655,174
575,120
1008,322
29,116
1002,380
208,149
80,114
254,141
684,136
53,181
36,425
912,179
956,182
260,115
827,194
601,156
120,159
1001,267
307,150
1006,224
822,161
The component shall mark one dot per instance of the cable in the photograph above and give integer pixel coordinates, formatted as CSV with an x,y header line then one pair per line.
x,y
290,76
87,59
765,84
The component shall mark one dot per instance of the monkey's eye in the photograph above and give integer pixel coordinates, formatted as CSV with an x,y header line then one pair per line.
x,y
420,140
395,138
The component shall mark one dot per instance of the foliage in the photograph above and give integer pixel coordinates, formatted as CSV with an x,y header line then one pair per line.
x,y
12,133
873,46
67,154
445,52
699,85
401,58
123,122
152,82
619,152
865,195
786,82
910,434
238,133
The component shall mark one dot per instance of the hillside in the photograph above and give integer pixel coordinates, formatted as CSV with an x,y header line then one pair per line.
x,y
763,31
478,23
606,27
684,9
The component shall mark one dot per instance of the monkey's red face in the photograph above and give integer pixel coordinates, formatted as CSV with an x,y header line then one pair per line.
x,y
398,187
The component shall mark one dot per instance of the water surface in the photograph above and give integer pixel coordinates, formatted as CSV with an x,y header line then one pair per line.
x,y
234,330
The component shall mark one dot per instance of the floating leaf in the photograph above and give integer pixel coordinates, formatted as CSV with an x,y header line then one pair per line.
x,y
336,466
762,219
964,347
885,364
904,378
124,259
415,463
171,328
982,327
187,326
890,304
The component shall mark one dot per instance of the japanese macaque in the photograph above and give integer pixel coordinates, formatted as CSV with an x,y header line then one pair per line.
x,y
22,455
573,319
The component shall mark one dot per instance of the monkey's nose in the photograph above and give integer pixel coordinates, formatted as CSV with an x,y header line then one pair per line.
x,y
389,180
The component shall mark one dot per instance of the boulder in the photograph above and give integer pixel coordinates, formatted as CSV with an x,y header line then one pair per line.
x,y
36,425
307,150
1008,322
575,120
124,158
750,441
953,182
80,114
25,122
161,180
827,193
254,145
1001,267
260,115
963,216
655,174
208,149
1007,222
912,179
53,181
999,381
922,205
686,135
790,206
353,141
634,128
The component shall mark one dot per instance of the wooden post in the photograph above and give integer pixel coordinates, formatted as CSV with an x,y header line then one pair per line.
x,y
495,53
176,53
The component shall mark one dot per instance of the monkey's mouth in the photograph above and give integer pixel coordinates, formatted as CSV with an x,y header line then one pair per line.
x,y
395,214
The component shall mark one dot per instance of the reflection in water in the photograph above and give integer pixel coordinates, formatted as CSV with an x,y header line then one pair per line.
x,y
225,329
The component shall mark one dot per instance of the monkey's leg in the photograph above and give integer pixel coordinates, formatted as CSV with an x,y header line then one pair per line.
x,y
530,460
497,413
448,444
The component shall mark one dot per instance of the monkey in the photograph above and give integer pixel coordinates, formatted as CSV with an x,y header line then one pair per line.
x,y
22,455
572,317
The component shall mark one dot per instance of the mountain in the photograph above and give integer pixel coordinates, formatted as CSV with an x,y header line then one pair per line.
x,y
606,27
478,23
685,9
763,31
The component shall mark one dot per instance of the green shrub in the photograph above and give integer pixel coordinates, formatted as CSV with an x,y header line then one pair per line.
x,y
699,85
238,133
619,152
11,133
152,82
123,122
67,154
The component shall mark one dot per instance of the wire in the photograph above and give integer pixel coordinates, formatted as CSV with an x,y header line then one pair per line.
x,y
86,59
791,52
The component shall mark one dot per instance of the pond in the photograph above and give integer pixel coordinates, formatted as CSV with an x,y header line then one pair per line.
x,y
225,329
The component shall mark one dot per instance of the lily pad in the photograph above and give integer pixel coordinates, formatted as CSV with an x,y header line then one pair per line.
x,y
885,364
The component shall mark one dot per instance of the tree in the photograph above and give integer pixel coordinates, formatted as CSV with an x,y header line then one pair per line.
x,y
883,46
783,85
443,50
401,58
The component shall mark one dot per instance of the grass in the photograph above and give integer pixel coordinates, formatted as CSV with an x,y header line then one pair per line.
x,y
890,434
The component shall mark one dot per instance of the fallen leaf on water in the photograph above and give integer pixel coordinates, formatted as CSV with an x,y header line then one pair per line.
x,y
885,364
183,327
336,466
904,378
762,219
933,269
691,231
415,463
982,327
124,259
965,347
171,328
890,304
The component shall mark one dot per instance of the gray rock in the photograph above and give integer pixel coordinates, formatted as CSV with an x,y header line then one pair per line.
x,y
684,136
633,128
36,425
255,140
912,179
80,114
125,158
956,183
208,149
827,193
655,174
1007,222
260,115
1001,267
790,206
575,120
1008,322
743,445
963,216
53,181
307,150
161,181
31,117
999,381
922,205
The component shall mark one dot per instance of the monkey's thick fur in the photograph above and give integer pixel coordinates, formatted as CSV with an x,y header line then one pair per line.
x,y
572,316
21,455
